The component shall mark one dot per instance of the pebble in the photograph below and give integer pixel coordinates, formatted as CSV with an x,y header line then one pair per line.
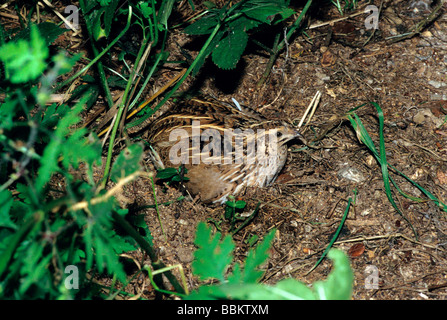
x,y
437,84
183,222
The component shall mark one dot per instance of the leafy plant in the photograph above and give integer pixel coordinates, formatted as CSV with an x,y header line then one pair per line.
x,y
228,28
213,259
232,207
45,227
172,174
349,5
380,156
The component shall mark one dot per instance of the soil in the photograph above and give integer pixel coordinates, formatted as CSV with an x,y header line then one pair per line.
x,y
350,66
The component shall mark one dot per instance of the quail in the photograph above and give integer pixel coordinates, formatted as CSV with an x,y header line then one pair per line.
x,y
224,148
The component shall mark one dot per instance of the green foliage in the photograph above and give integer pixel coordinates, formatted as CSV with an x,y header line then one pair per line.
x,y
126,163
24,60
232,205
44,226
53,211
213,256
230,26
232,209
380,156
172,174
213,259
349,5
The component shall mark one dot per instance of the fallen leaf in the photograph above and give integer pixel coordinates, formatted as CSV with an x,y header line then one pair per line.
x,y
356,250
328,59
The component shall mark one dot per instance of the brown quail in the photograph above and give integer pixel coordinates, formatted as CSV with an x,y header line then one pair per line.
x,y
224,148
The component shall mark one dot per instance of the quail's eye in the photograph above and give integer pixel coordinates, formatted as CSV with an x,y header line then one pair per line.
x,y
279,134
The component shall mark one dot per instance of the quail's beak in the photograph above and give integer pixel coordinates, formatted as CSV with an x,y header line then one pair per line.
x,y
298,135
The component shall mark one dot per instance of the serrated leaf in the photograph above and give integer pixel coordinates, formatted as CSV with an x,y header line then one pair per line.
x,y
256,258
70,147
6,202
101,240
230,49
213,256
25,60
266,10
48,161
338,284
214,42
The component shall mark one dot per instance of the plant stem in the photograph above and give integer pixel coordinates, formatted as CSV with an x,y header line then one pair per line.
x,y
80,72
182,79
102,74
277,48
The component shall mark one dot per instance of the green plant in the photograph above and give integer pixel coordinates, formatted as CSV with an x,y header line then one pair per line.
x,y
55,210
213,259
172,175
228,28
44,230
232,207
349,5
51,219
380,156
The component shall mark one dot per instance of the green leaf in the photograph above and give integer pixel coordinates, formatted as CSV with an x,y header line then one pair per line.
x,y
166,173
7,111
25,60
51,116
256,258
49,159
240,204
146,9
165,12
203,26
102,244
214,42
33,222
109,16
213,256
338,284
230,49
266,10
6,202
104,3
97,27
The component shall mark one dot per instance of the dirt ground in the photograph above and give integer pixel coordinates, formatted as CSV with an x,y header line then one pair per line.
x,y
407,79
349,65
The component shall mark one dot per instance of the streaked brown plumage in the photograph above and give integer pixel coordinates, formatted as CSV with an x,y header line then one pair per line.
x,y
239,164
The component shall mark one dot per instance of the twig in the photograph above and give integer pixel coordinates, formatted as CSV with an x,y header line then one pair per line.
x,y
312,107
112,191
421,25
389,236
